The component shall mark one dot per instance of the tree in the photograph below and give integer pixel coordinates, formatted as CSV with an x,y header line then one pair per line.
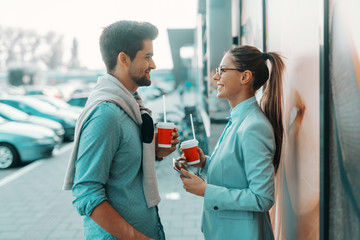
x,y
52,57
31,46
26,46
74,61
10,39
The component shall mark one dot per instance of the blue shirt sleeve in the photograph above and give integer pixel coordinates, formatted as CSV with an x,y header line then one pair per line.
x,y
203,171
99,141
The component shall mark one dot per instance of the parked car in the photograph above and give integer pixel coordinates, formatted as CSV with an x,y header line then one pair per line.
x,y
150,92
12,114
9,90
78,99
59,103
24,142
36,107
43,90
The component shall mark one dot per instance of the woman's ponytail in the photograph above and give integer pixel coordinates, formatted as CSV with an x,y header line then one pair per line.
x,y
272,99
250,58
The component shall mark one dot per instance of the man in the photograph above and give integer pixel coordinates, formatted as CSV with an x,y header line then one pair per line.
x,y
112,167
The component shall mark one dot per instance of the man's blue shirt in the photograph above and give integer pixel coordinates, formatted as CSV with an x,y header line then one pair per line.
x,y
109,167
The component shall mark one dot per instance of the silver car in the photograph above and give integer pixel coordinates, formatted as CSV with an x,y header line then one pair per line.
x,y
23,142
36,107
59,103
12,114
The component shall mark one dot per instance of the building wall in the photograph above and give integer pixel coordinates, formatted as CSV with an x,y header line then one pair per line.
x,y
297,38
317,184
344,31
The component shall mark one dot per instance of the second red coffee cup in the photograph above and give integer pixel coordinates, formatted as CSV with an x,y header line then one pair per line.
x,y
165,130
190,149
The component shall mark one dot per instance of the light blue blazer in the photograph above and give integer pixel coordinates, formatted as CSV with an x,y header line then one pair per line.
x,y
240,177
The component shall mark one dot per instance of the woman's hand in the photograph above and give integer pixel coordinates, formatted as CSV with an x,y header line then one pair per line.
x,y
193,184
202,162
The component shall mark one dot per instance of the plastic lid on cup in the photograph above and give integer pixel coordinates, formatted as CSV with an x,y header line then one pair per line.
x,y
189,143
166,125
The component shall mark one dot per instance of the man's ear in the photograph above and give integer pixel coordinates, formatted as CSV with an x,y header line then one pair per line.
x,y
123,58
246,77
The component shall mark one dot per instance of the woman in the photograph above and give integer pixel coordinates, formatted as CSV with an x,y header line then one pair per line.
x,y
240,173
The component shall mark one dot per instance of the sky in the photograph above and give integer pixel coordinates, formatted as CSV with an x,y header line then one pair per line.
x,y
84,20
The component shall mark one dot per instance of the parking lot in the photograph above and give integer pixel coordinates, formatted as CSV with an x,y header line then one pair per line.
x,y
33,206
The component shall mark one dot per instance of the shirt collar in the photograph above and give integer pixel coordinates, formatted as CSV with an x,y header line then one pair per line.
x,y
239,109
135,94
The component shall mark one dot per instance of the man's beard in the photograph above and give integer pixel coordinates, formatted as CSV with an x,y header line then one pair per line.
x,y
140,80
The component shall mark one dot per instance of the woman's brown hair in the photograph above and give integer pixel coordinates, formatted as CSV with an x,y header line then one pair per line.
x,y
250,58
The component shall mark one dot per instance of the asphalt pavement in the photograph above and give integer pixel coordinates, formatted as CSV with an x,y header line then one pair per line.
x,y
33,206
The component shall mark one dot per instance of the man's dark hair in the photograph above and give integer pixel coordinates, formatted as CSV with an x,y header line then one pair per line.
x,y
124,36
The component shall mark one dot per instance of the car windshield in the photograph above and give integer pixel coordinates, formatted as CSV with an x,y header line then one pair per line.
x,y
39,105
58,103
2,120
12,113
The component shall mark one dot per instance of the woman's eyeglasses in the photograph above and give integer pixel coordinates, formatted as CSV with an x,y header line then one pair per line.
x,y
219,70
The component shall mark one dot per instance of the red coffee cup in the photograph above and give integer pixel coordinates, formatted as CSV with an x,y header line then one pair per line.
x,y
165,130
190,149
